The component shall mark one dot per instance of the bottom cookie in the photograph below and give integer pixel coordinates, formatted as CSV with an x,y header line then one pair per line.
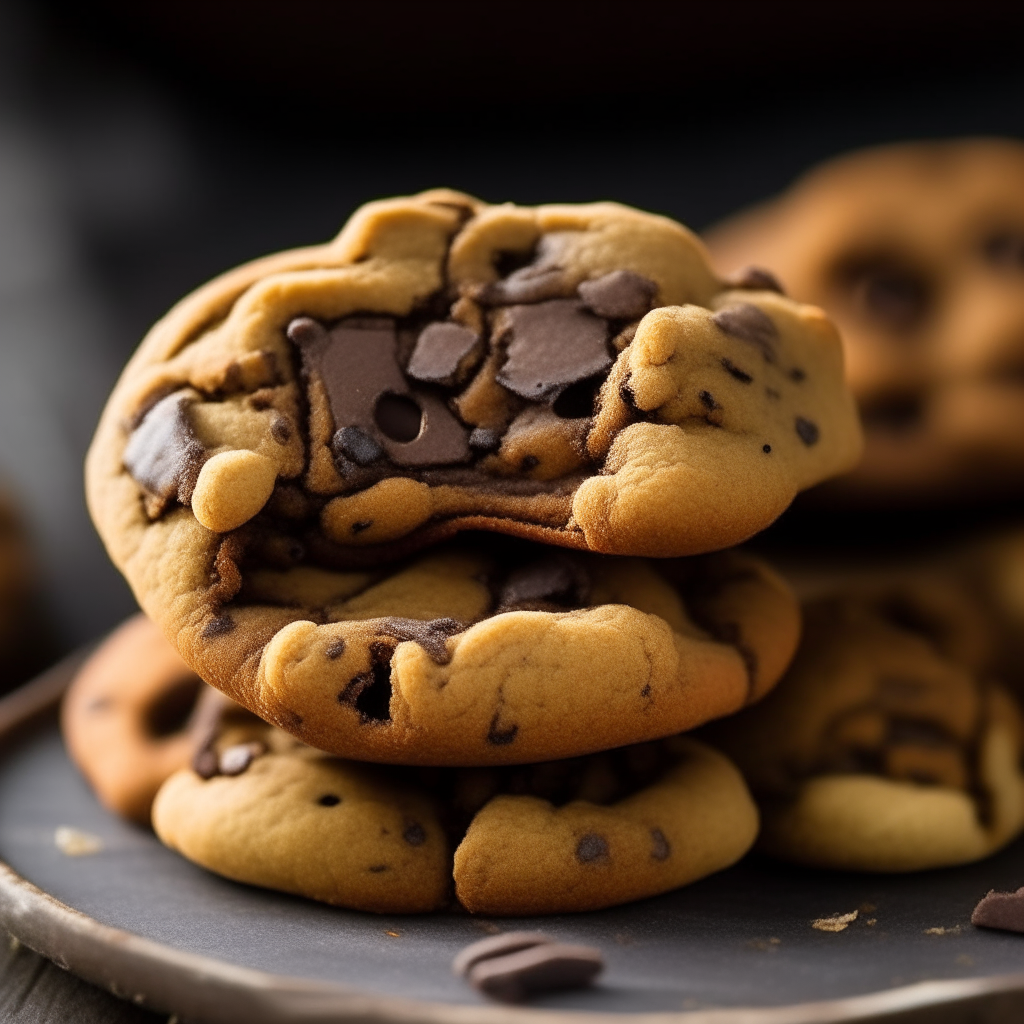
x,y
561,836
880,750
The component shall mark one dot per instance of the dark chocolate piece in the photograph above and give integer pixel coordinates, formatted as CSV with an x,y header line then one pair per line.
x,y
1003,910
749,323
552,345
357,445
237,759
541,279
547,967
807,431
554,578
620,295
204,727
754,279
442,351
591,847
357,362
495,945
163,454
484,440
431,635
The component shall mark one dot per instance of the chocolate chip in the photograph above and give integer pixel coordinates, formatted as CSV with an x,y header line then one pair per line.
x,y
281,430
357,361
329,800
205,764
163,454
766,448
798,375
495,945
547,967
620,295
592,847
541,277
414,834
751,324
237,759
554,578
1002,910
528,462
484,440
754,279
361,524
807,431
646,691
431,634
708,400
335,649
442,352
501,736
661,849
356,445
218,626
740,375
376,869
552,345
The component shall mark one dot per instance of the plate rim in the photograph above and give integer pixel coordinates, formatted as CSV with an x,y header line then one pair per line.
x,y
151,974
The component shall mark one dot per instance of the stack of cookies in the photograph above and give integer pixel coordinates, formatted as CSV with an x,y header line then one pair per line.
x,y
439,520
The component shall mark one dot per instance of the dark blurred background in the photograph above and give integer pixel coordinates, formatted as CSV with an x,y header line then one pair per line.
x,y
146,147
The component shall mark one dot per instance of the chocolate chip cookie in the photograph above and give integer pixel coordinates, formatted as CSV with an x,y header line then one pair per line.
x,y
917,251
878,751
571,835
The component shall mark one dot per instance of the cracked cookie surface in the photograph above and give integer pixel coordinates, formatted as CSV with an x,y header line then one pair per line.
x,y
883,748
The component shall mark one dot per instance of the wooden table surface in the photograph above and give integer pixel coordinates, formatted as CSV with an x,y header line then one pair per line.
x,y
35,991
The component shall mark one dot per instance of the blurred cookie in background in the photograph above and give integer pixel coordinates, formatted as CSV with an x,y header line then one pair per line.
x,y
917,252
26,641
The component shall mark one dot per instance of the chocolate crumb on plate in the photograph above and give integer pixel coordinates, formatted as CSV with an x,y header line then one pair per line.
x,y
517,965
1002,910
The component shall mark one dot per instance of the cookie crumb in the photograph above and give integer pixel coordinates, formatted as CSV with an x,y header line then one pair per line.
x,y
73,842
835,923
955,930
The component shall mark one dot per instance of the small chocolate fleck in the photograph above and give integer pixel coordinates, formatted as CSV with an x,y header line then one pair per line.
x,y
646,691
361,524
751,324
661,849
441,350
592,847
708,400
329,800
529,462
499,736
414,834
807,431
798,375
766,448
773,394
218,626
357,445
484,440
740,375
376,869
620,295
281,430
754,279
335,649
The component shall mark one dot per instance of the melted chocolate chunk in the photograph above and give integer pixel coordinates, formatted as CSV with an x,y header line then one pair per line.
x,y
661,849
620,295
414,834
237,759
755,279
749,323
442,353
552,579
431,635
552,345
545,967
358,364
592,847
807,431
1002,910
163,454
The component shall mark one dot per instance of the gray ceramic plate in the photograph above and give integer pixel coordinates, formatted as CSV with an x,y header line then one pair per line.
x,y
738,947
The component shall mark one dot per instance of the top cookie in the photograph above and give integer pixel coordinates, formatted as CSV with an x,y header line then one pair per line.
x,y
917,251
571,374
